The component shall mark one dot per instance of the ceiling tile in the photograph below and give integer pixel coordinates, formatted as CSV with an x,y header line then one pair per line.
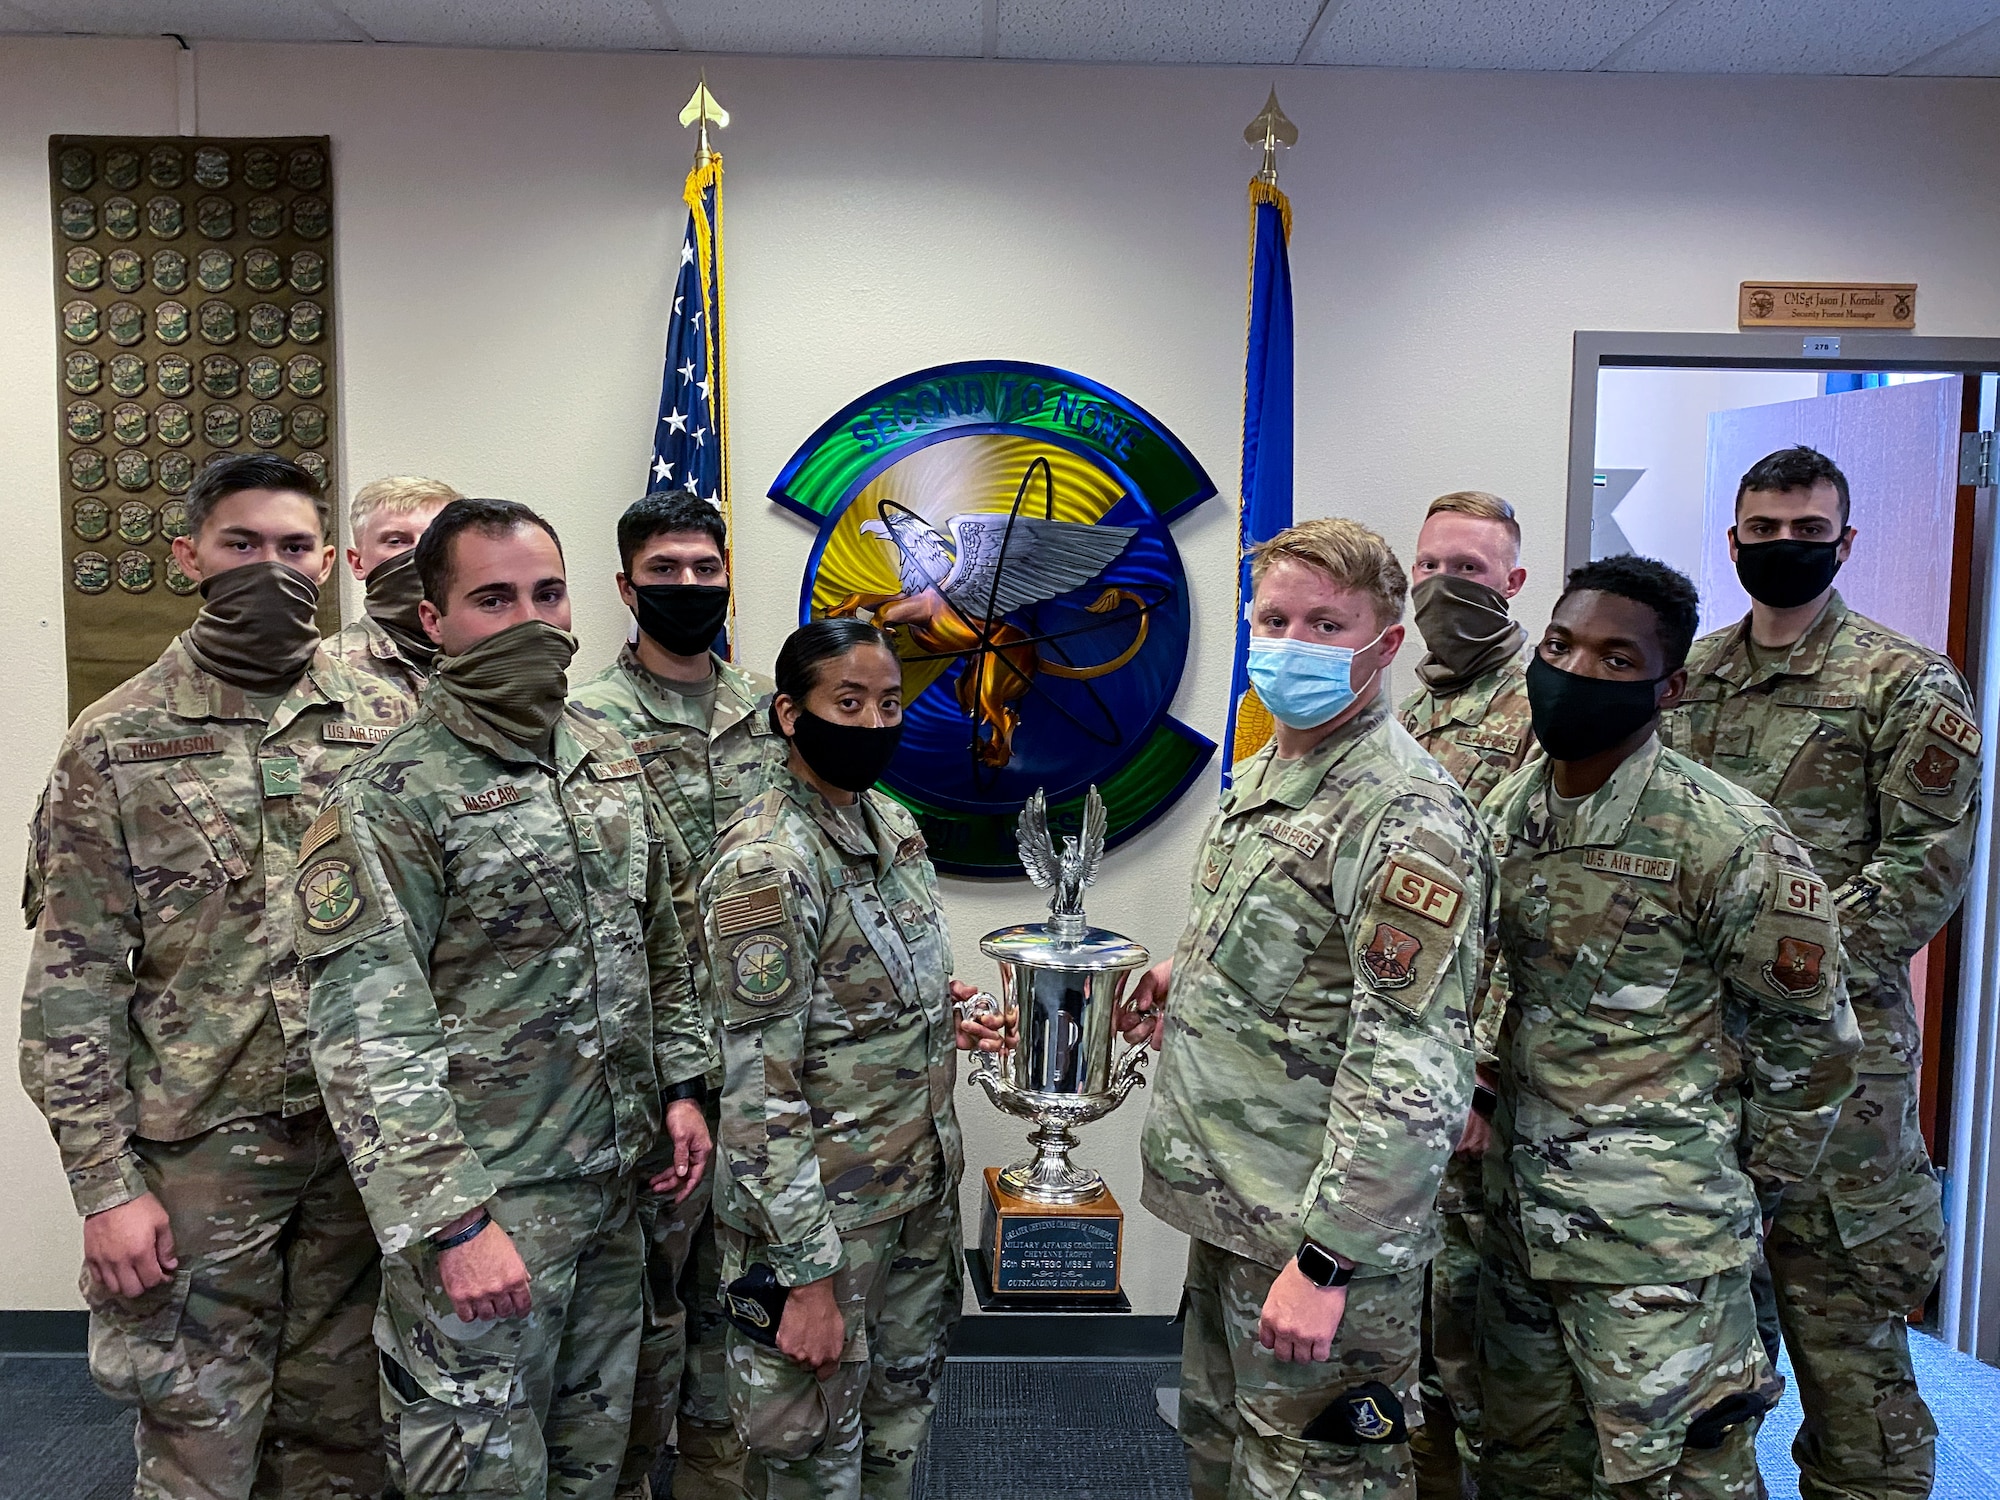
x,y
235,20
1976,55
1154,31
600,25
1800,36
1554,35
845,28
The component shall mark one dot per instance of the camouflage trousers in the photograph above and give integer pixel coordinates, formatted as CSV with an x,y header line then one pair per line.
x,y
1446,1447
1850,1260
532,1406
251,1367
1635,1392
1243,1412
680,1387
856,1433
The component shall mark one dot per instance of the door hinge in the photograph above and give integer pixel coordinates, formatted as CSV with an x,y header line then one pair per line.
x,y
1975,459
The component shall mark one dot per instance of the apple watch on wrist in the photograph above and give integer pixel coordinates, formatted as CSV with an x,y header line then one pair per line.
x,y
1319,1266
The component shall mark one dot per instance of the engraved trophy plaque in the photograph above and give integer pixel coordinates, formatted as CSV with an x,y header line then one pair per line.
x,y
1051,1232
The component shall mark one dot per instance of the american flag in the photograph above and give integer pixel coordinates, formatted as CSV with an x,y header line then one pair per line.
x,y
688,439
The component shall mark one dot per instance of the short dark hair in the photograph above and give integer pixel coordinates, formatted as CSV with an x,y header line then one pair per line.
x,y
1794,469
1666,591
234,473
665,511
810,647
489,517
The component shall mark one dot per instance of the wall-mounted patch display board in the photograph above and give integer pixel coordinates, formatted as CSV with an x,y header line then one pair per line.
x,y
194,319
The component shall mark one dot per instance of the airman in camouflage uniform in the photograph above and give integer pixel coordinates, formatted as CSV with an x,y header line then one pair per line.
x,y
704,757
493,1020
1470,713
1866,743
1675,1047
385,643
829,966
367,650
163,1035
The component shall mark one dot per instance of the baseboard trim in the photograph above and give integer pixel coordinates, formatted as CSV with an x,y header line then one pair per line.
x,y
1065,1336
979,1336
43,1331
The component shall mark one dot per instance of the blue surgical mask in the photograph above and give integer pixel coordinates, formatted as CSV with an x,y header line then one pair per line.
x,y
1302,682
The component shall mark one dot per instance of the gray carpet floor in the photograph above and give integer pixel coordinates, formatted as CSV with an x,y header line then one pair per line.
x,y
1005,1430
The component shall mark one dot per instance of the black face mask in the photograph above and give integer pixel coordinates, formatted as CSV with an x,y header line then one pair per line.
x,y
1785,574
682,618
1576,717
848,756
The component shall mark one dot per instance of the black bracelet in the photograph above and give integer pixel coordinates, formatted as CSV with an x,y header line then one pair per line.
x,y
466,1235
1484,1101
688,1088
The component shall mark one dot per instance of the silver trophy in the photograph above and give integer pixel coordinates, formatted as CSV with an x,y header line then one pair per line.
x,y
1063,979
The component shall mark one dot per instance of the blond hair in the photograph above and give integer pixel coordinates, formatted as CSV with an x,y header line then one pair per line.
x,y
1480,505
396,495
1347,552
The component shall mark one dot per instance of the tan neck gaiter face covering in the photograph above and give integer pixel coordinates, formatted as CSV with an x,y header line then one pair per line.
x,y
257,628
394,592
1467,631
515,682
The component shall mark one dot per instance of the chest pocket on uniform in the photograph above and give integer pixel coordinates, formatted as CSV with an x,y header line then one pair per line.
x,y
1639,967
873,978
1273,926
522,905
183,847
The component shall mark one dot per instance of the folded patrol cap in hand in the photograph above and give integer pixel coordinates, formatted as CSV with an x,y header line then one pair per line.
x,y
754,1302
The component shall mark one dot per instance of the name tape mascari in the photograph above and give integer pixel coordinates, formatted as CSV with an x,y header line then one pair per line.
x,y
1410,888
503,795
1641,866
614,770
1948,723
1304,840
187,744
747,911
337,733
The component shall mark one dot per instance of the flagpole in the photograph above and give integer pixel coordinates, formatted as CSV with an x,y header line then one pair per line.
x,y
701,111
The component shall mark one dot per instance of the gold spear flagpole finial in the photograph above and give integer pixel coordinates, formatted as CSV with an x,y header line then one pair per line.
x,y
1269,130
702,109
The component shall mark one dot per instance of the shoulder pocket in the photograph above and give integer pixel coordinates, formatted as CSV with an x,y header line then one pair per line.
x,y
757,970
1938,767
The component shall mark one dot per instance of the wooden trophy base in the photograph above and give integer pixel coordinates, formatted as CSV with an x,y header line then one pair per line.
x,y
1039,1257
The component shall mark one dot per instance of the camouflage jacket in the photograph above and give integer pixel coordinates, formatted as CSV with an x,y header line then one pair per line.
x,y
491,1006
1677,1040
703,772
371,654
1481,734
1317,1063
163,997
1866,743
829,964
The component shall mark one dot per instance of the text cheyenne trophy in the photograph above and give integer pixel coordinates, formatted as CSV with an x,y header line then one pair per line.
x,y
1062,980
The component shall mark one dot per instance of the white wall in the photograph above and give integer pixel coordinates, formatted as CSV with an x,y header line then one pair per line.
x,y
504,222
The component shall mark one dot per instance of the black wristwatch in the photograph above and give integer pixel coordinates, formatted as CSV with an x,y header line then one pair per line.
x,y
1317,1265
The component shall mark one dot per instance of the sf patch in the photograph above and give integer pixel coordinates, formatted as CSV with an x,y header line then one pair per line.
x,y
761,969
1795,972
329,896
1390,958
1428,896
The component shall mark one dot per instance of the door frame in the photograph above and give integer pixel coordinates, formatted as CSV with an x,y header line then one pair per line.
x,y
1969,1306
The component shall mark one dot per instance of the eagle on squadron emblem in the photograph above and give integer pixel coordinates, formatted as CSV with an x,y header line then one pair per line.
x,y
959,589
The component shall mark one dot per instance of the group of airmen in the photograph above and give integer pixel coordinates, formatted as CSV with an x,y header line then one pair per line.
x,y
475,1084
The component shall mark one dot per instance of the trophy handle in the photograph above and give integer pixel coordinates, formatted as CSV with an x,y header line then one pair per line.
x,y
1130,1073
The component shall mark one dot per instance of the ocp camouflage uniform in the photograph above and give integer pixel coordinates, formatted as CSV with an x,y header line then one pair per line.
x,y
829,965
1315,1075
704,765
1675,1049
369,652
1481,733
163,1034
493,1020
1865,742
